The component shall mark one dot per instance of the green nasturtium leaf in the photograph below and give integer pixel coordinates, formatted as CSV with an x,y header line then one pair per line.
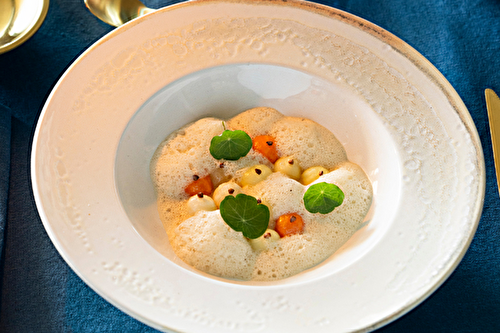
x,y
230,145
323,198
243,213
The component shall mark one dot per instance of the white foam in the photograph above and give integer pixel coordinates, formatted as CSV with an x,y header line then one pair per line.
x,y
207,243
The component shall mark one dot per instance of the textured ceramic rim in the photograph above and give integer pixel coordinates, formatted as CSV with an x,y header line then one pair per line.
x,y
20,39
447,89
397,44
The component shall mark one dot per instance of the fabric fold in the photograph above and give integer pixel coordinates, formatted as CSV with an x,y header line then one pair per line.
x,y
5,132
5,139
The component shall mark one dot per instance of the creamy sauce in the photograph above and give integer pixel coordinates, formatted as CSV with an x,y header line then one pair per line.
x,y
206,242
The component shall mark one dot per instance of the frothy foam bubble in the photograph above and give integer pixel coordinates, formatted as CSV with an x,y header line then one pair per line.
x,y
206,242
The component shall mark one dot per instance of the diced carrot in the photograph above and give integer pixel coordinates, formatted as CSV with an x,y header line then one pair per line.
x,y
266,145
200,185
289,224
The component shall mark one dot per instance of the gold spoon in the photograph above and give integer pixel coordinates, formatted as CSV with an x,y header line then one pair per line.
x,y
19,20
117,12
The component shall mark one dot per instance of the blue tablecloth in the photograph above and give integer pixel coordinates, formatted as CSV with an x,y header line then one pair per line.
x,y
40,293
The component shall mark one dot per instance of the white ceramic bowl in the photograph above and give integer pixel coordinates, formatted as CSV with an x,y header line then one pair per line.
x,y
395,114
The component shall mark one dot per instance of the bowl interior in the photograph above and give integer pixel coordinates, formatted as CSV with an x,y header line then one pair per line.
x,y
225,91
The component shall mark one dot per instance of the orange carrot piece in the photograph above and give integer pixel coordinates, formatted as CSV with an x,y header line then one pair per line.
x,y
266,145
289,224
200,185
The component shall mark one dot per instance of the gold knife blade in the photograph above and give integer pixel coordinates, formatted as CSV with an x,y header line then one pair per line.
x,y
493,107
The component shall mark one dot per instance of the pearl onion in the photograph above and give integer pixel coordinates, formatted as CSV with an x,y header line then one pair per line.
x,y
312,174
264,241
200,202
265,203
225,189
255,174
288,166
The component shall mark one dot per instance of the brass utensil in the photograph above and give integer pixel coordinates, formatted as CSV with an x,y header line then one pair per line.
x,y
19,20
493,107
117,12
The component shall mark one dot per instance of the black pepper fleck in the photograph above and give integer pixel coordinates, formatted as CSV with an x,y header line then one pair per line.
x,y
200,195
196,177
293,218
258,171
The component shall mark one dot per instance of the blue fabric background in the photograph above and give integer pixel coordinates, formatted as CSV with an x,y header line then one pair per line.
x,y
40,293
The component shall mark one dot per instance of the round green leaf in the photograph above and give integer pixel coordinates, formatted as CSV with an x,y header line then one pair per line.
x,y
243,213
230,145
323,198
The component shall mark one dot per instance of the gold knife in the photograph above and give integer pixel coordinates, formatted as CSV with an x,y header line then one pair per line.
x,y
493,107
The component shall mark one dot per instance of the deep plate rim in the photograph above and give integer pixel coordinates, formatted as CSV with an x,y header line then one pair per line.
x,y
407,51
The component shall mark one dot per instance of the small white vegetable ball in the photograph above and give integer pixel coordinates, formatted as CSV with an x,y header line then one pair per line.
x,y
255,174
289,166
200,202
225,189
312,173
263,242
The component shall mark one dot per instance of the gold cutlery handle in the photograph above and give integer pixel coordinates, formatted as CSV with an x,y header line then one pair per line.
x,y
493,107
